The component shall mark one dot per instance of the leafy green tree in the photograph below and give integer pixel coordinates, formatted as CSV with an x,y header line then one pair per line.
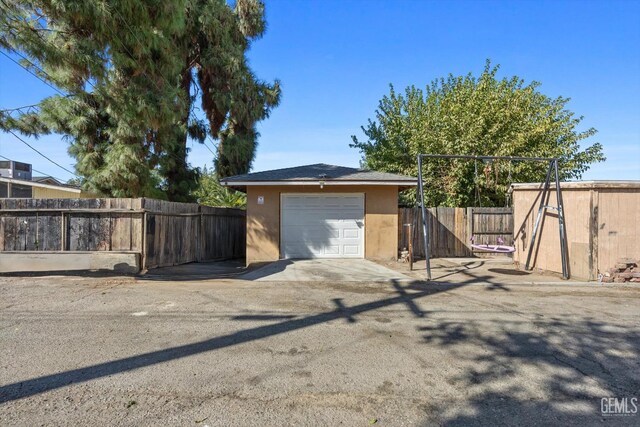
x,y
75,181
129,74
210,193
475,116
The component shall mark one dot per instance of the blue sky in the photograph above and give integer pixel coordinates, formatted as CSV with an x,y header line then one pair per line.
x,y
336,59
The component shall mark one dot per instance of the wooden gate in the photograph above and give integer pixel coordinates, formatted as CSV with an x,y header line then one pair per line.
x,y
451,229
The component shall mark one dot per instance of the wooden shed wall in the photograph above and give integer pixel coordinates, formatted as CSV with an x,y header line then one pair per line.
x,y
601,226
618,226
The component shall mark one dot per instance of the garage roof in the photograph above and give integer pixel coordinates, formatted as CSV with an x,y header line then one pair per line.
x,y
313,174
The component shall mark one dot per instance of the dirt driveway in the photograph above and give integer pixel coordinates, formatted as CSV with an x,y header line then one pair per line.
x,y
124,351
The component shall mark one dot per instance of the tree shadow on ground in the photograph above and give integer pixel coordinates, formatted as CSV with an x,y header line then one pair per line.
x,y
571,365
568,363
46,383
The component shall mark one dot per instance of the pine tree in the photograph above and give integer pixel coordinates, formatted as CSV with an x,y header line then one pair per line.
x,y
126,71
232,98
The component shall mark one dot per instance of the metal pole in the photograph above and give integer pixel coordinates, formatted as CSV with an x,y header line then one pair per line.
x,y
561,227
424,219
410,246
553,166
540,210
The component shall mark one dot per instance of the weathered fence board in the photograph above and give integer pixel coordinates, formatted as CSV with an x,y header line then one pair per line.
x,y
164,233
490,224
450,229
224,225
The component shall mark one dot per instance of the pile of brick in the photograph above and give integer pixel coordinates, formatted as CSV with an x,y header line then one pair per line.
x,y
625,270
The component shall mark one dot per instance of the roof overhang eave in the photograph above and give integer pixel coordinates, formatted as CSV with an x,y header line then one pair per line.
x,y
40,185
242,185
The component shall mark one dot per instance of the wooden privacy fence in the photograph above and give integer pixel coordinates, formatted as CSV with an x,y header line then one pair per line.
x,y
450,229
163,233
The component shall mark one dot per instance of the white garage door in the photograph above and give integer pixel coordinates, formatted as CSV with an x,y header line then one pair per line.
x,y
322,226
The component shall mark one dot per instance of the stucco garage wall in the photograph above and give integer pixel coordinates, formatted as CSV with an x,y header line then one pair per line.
x,y
263,221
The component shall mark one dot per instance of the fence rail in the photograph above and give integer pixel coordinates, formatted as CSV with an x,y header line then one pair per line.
x,y
450,229
163,233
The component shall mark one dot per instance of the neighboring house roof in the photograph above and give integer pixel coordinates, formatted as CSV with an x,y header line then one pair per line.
x,y
69,188
52,181
46,180
313,174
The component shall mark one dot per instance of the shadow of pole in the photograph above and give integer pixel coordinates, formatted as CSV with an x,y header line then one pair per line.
x,y
407,300
46,383
340,307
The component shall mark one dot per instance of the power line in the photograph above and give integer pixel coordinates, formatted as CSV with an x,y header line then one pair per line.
x,y
131,54
39,104
48,84
36,150
34,74
115,37
36,170
210,150
132,57
182,160
40,68
29,108
24,107
161,76
66,95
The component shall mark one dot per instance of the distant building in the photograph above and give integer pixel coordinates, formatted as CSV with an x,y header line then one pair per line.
x,y
17,182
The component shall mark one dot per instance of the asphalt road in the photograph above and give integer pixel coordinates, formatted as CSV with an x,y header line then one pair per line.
x,y
121,351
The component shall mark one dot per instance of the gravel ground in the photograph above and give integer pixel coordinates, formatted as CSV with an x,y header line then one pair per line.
x,y
468,351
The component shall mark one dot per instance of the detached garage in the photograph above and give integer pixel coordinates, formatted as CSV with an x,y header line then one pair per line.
x,y
321,211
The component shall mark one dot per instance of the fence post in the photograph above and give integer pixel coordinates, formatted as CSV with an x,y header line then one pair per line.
x,y
469,230
200,255
143,251
63,234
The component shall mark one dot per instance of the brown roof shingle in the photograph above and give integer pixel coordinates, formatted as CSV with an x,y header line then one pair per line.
x,y
316,172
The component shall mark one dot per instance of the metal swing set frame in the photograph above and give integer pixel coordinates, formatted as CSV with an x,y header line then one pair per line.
x,y
552,169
